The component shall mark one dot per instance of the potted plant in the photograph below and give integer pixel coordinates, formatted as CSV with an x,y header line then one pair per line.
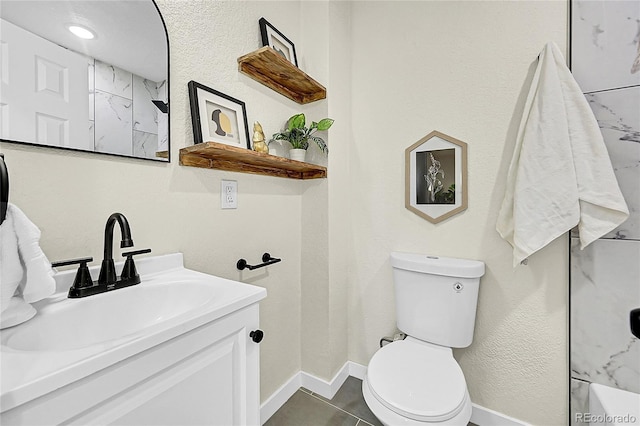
x,y
298,135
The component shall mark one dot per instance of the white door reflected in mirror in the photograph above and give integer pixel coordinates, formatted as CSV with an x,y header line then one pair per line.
x,y
86,92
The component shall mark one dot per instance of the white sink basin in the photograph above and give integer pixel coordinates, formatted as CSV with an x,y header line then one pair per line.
x,y
77,323
69,339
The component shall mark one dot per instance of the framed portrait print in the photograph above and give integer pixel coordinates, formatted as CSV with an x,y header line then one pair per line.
x,y
217,117
436,177
277,41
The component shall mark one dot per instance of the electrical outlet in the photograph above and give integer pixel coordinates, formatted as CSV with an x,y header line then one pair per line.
x,y
229,194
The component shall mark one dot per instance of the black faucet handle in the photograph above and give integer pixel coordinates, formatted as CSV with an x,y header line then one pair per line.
x,y
136,252
129,270
80,261
83,276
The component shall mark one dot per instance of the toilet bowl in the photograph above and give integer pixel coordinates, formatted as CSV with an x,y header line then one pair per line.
x,y
416,381
410,382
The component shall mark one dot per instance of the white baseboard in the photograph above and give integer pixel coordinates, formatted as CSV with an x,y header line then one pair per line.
x,y
480,416
486,417
321,386
357,370
324,388
279,397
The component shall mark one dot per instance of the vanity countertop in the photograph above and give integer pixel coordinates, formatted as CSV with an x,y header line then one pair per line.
x,y
70,339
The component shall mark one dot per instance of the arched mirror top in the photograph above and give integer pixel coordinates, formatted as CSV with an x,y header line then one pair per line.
x,y
107,94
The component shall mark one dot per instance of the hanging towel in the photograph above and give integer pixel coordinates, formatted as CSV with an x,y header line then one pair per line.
x,y
25,271
560,174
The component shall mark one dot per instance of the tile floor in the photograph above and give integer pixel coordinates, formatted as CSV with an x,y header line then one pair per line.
x,y
347,408
305,408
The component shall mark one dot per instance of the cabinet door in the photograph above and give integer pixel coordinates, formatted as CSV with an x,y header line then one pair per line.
x,y
207,388
207,376
216,385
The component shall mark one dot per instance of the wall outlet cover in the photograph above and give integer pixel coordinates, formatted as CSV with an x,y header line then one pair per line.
x,y
229,194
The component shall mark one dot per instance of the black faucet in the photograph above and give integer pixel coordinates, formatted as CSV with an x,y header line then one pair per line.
x,y
108,280
108,274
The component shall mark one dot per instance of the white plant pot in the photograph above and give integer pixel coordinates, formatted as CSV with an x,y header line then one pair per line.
x,y
297,154
273,151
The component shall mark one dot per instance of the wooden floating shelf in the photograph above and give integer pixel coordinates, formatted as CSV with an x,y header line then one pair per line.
x,y
268,67
213,155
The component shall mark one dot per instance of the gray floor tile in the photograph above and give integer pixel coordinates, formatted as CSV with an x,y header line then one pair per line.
x,y
303,409
349,398
347,407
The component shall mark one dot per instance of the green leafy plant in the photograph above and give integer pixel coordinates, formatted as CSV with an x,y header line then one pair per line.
x,y
298,135
448,197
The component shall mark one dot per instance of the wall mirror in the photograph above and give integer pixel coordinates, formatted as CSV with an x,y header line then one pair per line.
x,y
85,75
436,177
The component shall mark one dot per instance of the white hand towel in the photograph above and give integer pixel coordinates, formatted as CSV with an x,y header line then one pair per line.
x,y
25,270
11,271
560,174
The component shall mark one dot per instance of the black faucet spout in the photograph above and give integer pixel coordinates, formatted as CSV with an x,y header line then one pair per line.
x,y
108,234
108,270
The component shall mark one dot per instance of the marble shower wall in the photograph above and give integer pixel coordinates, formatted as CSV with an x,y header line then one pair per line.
x,y
618,114
604,43
605,276
125,120
605,288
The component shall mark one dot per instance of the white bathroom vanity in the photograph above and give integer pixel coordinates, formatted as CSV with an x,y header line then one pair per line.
x,y
175,349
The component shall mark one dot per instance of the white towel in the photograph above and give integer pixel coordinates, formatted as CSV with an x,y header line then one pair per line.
x,y
560,174
25,271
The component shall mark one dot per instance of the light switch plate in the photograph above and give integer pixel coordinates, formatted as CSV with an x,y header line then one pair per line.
x,y
229,194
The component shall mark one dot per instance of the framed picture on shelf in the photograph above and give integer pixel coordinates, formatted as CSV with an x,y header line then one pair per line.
x,y
277,41
217,117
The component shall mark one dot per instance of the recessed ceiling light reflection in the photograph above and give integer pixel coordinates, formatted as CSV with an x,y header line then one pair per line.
x,y
81,32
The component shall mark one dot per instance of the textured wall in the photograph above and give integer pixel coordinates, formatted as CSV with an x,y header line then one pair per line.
x,y
173,208
325,203
394,72
462,68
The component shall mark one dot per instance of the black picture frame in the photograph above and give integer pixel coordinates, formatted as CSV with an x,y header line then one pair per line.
x,y
273,38
228,114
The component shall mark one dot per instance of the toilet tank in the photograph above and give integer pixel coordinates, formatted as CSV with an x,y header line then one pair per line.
x,y
436,297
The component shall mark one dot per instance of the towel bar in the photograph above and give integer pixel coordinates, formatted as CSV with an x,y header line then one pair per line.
x,y
266,261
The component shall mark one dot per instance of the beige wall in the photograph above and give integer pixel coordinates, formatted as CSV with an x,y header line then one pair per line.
x,y
173,208
394,71
325,205
460,68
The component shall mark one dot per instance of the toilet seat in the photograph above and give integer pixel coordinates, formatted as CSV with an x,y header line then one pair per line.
x,y
418,380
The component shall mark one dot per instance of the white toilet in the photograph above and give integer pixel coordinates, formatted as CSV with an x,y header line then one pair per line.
x,y
416,381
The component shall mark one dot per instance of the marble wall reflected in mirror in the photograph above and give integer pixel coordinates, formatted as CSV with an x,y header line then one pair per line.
x,y
106,94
